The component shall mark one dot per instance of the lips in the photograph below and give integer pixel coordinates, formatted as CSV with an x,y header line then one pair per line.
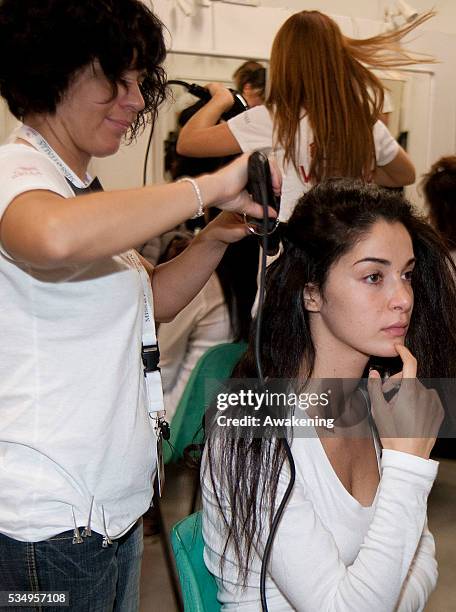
x,y
396,329
120,123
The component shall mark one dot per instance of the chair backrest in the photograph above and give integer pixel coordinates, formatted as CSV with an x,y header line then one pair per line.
x,y
199,589
216,364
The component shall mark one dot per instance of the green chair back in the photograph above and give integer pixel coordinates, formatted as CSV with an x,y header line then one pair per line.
x,y
217,363
199,589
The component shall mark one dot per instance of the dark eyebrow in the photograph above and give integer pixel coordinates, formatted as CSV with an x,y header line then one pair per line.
x,y
383,262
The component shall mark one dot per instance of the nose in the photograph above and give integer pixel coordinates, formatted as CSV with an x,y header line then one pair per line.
x,y
133,97
402,297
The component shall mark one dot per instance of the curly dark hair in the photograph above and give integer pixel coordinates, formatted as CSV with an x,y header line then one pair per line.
x,y
439,186
43,43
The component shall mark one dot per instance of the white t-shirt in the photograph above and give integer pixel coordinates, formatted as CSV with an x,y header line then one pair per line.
x,y
330,552
74,425
253,130
203,323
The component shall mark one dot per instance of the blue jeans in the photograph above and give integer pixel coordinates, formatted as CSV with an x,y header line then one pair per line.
x,y
98,579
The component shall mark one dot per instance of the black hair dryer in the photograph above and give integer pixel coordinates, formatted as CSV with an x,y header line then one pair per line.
x,y
239,105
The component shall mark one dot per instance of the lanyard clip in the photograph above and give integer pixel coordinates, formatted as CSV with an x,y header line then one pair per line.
x,y
163,427
150,357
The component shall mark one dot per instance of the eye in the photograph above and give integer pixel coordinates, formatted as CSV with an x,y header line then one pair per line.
x,y
373,279
408,276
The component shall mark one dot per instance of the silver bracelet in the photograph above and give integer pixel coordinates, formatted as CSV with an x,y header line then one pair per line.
x,y
196,189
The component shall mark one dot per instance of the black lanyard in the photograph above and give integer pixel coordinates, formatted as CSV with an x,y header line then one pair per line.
x,y
94,186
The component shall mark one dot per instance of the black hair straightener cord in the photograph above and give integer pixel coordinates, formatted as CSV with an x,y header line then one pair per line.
x,y
259,174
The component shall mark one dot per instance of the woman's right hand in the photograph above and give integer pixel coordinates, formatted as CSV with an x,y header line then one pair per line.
x,y
409,422
230,182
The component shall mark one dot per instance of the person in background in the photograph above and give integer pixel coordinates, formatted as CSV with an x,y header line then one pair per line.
x,y
439,187
250,81
221,312
321,114
361,277
80,422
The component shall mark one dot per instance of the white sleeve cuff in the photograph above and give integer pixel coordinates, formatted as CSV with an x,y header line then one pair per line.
x,y
407,462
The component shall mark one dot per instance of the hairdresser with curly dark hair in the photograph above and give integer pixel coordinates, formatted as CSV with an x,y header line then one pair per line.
x,y
78,433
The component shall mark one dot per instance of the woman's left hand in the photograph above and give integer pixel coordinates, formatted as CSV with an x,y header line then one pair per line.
x,y
222,94
226,228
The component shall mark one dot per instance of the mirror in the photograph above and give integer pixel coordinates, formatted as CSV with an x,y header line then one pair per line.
x,y
410,120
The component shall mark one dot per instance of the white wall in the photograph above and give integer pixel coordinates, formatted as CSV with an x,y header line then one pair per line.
x,y
370,9
444,21
7,121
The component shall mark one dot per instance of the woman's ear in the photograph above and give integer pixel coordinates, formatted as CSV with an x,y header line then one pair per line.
x,y
312,298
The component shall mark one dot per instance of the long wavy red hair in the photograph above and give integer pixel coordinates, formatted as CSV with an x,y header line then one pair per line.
x,y
316,70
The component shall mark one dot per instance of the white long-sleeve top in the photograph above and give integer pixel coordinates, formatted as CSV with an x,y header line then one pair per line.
x,y
331,553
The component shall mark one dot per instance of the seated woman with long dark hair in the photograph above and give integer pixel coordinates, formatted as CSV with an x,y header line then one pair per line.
x,y
361,278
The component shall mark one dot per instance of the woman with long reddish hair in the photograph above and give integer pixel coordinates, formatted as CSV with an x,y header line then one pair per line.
x,y
321,114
